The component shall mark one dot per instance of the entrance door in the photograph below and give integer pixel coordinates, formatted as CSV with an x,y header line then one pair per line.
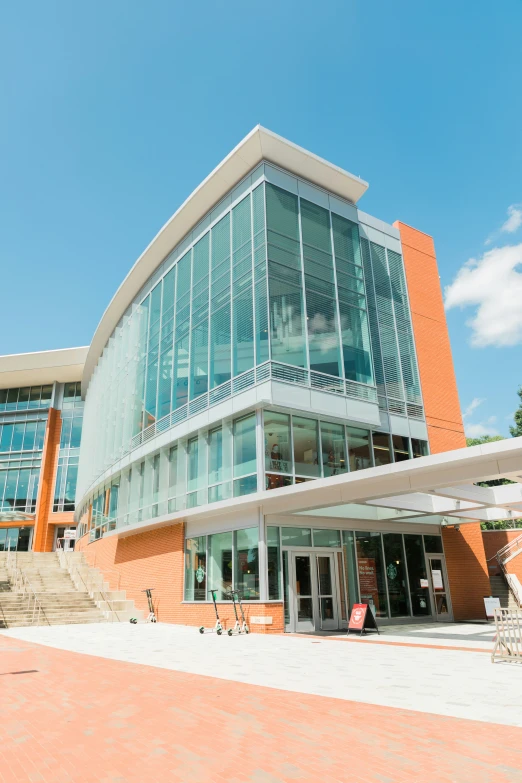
x,y
326,587
311,591
438,578
303,592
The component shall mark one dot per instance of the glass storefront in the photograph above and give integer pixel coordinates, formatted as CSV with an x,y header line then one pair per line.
x,y
15,539
223,562
389,571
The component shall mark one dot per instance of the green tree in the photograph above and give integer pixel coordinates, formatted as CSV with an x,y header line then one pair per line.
x,y
499,524
516,431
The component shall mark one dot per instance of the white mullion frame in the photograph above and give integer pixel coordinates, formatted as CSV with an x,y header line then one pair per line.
x,y
303,285
337,308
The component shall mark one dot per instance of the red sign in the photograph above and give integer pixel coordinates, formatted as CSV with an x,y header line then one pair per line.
x,y
357,617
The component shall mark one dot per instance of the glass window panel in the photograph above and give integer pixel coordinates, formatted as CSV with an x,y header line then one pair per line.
x,y
245,486
245,446
34,397
371,572
70,487
199,360
18,437
220,555
23,398
333,449
273,554
296,536
401,448
30,432
174,489
3,400
243,318
350,562
220,492
6,438
47,392
220,346
278,450
419,447
40,435
193,464
246,573
327,538
381,448
196,569
12,399
3,537
181,370
22,489
215,456
306,446
418,576
3,479
323,333
10,488
76,432
433,544
396,575
359,448
276,481
12,538
65,434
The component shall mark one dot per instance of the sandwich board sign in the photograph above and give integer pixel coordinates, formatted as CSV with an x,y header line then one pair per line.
x,y
490,604
361,619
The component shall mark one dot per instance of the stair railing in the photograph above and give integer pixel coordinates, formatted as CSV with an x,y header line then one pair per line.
x,y
91,585
34,606
510,550
502,557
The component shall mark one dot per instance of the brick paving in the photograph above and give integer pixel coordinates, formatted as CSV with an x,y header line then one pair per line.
x,y
67,717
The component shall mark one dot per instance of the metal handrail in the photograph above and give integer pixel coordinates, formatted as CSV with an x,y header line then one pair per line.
x,y
515,544
91,588
23,585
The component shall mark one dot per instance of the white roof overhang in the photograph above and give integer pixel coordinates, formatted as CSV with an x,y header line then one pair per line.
x,y
439,489
33,369
260,144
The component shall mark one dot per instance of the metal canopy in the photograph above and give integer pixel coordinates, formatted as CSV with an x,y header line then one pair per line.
x,y
440,489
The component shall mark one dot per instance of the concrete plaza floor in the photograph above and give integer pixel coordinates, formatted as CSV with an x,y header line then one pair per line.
x,y
117,703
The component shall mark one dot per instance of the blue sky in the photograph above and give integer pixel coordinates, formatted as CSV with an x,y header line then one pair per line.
x,y
112,112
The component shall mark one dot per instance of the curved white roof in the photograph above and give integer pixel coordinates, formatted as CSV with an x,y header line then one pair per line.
x,y
260,144
33,369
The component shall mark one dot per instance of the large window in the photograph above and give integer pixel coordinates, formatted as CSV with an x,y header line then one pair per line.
x,y
278,447
306,447
245,462
370,565
222,562
333,449
26,398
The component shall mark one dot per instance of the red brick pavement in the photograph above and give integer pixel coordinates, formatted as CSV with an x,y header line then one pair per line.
x,y
85,719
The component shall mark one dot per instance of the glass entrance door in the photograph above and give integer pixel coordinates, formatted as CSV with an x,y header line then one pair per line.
x,y
311,591
438,579
304,592
327,593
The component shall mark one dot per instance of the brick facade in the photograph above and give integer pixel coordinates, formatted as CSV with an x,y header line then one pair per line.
x,y
156,559
437,376
497,539
467,571
45,518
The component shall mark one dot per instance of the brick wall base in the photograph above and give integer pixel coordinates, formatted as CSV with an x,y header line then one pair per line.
x,y
467,571
156,559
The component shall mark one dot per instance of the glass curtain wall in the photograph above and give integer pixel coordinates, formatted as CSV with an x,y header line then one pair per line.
x,y
273,276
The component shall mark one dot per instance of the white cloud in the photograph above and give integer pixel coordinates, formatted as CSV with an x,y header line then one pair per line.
x,y
514,220
475,402
480,429
493,285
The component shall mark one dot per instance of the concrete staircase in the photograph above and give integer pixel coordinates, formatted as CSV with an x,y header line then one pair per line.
x,y
67,592
500,589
